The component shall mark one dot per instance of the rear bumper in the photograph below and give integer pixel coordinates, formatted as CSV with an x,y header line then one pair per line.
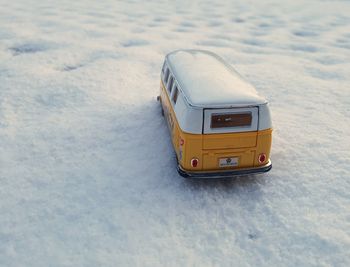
x,y
224,173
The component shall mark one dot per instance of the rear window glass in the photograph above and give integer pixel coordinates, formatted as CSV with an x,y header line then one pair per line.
x,y
231,120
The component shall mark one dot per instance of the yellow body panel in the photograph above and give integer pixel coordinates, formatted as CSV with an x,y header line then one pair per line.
x,y
209,148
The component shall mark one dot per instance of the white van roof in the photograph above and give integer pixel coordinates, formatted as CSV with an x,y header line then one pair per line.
x,y
208,81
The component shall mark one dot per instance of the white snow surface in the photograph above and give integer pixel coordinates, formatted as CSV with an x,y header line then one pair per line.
x,y
87,171
207,80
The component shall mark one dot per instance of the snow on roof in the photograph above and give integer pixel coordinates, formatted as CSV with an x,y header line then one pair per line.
x,y
208,81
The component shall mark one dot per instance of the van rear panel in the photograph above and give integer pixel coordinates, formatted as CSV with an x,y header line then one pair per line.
x,y
212,154
230,138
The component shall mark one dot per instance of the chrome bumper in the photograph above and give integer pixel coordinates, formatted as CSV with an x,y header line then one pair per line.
x,y
224,173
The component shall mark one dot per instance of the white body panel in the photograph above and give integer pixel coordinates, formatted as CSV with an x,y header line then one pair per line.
x,y
202,90
264,117
208,81
189,119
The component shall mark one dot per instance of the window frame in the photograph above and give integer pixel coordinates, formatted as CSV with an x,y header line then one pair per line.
x,y
164,66
175,93
166,75
208,112
170,84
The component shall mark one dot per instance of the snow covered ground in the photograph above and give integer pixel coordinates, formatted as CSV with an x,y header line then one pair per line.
x,y
87,171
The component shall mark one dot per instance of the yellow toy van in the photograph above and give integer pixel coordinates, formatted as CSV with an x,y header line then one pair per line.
x,y
219,125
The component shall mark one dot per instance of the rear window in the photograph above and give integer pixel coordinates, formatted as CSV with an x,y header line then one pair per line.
x,y
231,120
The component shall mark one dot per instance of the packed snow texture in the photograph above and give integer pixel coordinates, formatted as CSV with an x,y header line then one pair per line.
x,y
87,171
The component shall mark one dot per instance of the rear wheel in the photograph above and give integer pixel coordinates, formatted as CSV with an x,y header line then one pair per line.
x,y
161,106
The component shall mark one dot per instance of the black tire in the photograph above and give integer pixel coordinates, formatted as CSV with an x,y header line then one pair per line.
x,y
161,106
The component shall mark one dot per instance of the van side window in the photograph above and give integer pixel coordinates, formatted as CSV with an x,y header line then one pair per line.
x,y
176,93
170,84
163,68
166,77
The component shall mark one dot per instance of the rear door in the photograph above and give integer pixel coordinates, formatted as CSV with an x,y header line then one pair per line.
x,y
229,135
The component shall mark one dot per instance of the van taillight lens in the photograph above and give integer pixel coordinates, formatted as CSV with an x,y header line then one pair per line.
x,y
194,162
262,158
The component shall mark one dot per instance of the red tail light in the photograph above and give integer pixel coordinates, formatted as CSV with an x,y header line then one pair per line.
x,y
194,162
262,158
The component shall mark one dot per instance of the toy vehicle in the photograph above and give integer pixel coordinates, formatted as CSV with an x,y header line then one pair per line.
x,y
219,125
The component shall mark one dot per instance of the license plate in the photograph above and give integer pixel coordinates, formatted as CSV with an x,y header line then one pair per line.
x,y
228,162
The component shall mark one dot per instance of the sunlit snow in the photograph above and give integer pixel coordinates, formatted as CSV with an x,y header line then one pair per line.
x,y
87,171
